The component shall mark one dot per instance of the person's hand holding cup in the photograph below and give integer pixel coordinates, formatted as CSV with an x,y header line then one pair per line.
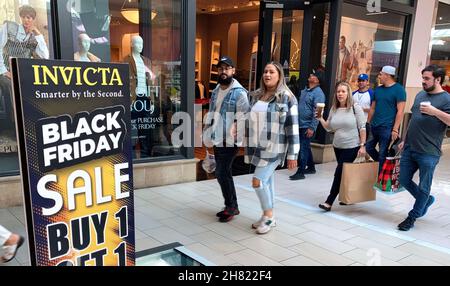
x,y
319,109
425,103
427,108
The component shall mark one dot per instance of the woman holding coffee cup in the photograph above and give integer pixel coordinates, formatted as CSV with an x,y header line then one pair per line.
x,y
348,122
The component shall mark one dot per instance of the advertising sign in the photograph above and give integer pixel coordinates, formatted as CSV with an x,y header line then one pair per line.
x,y
73,126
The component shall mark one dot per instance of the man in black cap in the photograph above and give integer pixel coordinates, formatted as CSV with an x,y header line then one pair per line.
x,y
308,99
228,105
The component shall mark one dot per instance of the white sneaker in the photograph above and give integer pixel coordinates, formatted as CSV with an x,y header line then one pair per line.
x,y
9,251
266,225
258,223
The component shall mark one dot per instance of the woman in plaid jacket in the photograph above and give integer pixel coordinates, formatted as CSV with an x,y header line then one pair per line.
x,y
272,136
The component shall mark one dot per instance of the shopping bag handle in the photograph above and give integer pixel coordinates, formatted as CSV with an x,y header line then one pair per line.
x,y
393,142
362,159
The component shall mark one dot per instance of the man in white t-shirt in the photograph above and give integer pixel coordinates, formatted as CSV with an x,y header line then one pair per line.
x,y
228,105
364,96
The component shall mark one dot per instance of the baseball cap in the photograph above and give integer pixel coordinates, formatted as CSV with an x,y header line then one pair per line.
x,y
319,74
363,76
389,70
225,60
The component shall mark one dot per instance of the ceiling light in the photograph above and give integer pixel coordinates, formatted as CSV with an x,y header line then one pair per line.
x,y
132,13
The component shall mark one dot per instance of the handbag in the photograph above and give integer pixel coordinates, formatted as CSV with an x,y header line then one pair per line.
x,y
209,163
357,181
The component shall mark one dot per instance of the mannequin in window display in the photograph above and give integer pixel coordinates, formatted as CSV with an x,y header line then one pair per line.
x,y
91,20
142,100
83,54
21,41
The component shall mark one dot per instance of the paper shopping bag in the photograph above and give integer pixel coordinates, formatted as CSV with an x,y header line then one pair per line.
x,y
357,182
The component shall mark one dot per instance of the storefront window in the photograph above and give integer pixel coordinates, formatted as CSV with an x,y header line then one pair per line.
x,y
367,43
440,53
24,33
147,36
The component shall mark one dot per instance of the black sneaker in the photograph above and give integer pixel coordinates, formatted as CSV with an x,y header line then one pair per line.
x,y
297,176
310,171
228,211
407,224
226,218
220,214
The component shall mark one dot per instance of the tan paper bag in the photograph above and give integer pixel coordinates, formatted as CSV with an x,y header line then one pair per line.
x,y
357,182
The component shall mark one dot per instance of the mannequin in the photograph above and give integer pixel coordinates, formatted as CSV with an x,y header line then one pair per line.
x,y
140,74
143,107
83,55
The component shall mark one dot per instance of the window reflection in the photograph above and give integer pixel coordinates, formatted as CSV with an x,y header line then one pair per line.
x,y
367,43
147,36
23,34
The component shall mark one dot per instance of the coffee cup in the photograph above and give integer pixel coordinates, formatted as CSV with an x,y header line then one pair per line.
x,y
425,103
319,109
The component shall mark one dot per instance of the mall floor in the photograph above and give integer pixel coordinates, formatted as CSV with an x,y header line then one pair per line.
x,y
361,234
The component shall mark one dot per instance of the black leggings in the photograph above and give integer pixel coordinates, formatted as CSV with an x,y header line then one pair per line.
x,y
342,156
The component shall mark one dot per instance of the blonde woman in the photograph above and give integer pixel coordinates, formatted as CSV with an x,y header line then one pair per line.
x,y
272,137
348,122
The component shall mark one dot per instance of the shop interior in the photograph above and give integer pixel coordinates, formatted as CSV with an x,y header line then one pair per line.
x,y
231,27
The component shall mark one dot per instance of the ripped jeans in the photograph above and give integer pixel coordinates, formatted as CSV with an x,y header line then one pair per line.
x,y
266,189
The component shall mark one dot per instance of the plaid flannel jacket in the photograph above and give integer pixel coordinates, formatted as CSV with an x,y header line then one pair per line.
x,y
280,136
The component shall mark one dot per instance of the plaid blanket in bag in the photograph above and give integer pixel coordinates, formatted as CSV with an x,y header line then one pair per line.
x,y
389,178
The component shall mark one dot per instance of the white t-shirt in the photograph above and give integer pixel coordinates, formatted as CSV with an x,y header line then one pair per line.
x,y
260,106
221,96
258,120
363,100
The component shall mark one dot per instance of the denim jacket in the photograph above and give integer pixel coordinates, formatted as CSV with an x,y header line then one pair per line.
x,y
280,136
307,102
234,107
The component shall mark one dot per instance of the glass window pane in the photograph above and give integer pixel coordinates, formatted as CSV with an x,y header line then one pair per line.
x,y
24,34
406,2
440,53
367,43
147,36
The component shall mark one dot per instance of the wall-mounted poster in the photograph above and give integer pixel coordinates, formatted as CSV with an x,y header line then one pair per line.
x,y
356,45
73,122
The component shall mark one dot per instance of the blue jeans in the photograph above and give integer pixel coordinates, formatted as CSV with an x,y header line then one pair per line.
x,y
266,190
409,164
306,158
380,135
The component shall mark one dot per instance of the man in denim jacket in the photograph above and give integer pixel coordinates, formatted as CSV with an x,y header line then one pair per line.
x,y
308,99
228,105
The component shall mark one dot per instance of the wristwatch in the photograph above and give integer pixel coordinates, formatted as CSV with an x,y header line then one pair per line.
x,y
362,144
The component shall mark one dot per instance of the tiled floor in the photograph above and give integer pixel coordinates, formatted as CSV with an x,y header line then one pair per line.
x,y
361,234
